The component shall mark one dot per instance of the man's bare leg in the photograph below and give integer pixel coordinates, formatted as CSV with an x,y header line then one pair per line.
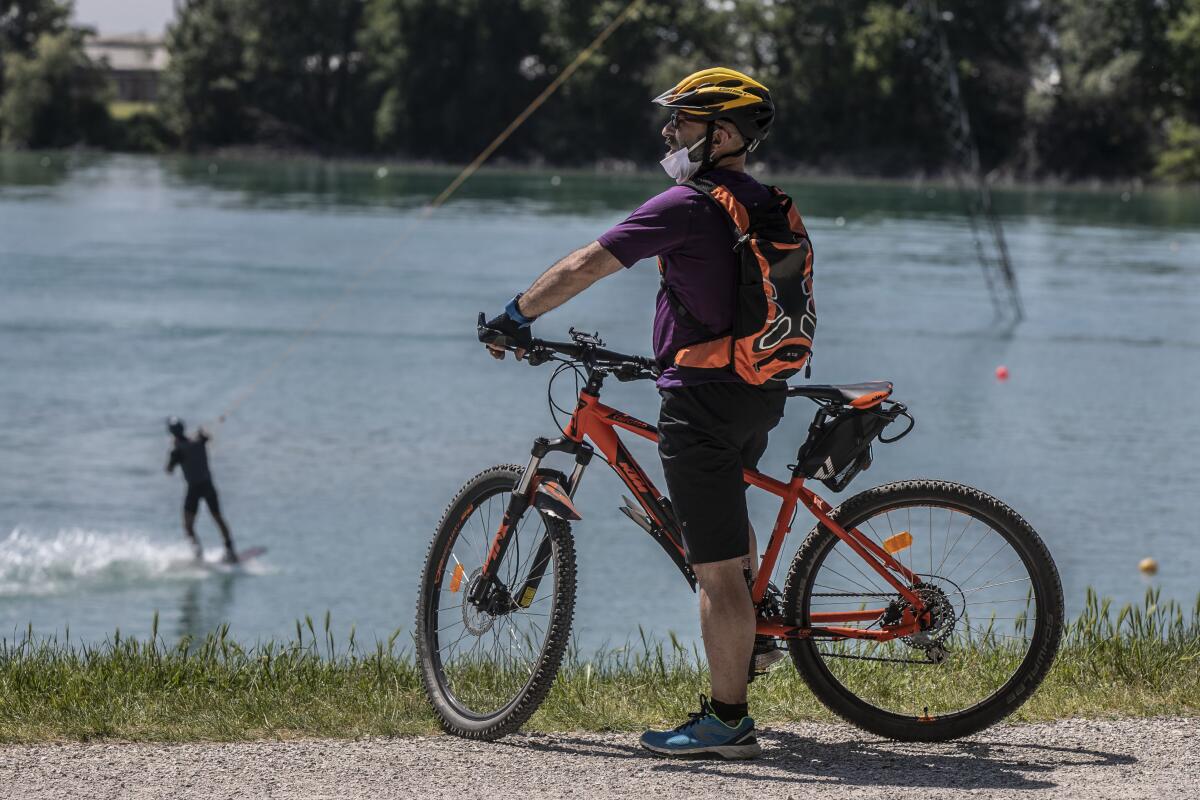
x,y
189,528
727,625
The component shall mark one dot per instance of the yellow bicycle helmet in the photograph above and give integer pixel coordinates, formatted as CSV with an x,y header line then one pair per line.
x,y
723,93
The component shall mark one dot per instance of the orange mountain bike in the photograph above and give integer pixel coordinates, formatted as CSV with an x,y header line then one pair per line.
x,y
919,610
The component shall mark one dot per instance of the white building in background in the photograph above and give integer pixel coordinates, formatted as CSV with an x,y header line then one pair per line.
x,y
135,62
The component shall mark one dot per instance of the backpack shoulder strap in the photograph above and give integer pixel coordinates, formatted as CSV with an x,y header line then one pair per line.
x,y
775,220
735,212
788,209
713,192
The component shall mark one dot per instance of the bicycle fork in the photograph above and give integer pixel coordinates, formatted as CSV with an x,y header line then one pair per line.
x,y
547,496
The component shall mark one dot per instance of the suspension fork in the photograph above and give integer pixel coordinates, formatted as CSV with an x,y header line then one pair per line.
x,y
524,598
518,504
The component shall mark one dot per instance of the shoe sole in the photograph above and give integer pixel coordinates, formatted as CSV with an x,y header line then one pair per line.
x,y
733,752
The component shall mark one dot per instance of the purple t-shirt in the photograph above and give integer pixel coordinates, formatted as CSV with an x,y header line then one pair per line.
x,y
695,241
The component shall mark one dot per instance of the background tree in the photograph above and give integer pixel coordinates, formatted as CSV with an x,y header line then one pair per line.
x,y
1179,158
449,74
1102,114
23,21
303,80
203,88
55,96
604,111
1070,88
998,47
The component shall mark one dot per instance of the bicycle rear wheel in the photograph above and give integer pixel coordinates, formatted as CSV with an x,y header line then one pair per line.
x,y
995,597
487,672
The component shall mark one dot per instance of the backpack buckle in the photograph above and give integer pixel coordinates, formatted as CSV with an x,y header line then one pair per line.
x,y
741,241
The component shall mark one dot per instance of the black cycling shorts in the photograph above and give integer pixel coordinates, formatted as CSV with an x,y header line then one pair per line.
x,y
708,434
198,491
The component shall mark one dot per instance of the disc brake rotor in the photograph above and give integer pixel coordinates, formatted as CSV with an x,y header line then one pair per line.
x,y
476,620
942,617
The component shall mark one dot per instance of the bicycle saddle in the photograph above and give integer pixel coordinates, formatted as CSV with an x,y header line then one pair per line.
x,y
858,395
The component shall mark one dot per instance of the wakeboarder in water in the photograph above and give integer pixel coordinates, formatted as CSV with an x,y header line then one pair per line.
x,y
192,456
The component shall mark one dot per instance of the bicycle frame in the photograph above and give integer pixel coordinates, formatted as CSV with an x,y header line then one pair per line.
x,y
598,422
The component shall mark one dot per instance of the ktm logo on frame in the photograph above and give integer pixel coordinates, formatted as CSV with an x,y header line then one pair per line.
x,y
634,478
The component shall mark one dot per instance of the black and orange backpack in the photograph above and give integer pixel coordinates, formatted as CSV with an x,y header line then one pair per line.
x,y
774,316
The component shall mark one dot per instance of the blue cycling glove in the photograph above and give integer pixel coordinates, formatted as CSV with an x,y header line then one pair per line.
x,y
512,328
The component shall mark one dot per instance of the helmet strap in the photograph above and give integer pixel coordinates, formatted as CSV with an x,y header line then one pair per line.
x,y
706,162
706,159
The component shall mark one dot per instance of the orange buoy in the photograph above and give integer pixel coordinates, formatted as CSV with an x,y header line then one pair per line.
x,y
1148,566
1001,373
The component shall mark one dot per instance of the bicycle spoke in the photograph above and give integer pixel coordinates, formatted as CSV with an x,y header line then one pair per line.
x,y
1003,572
973,641
1003,546
484,659
957,539
990,585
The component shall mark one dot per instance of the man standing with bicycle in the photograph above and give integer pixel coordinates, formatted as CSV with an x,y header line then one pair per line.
x,y
713,424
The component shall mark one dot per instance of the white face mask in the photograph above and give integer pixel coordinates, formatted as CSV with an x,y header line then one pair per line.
x,y
679,164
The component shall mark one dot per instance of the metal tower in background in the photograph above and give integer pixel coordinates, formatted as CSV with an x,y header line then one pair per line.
x,y
968,175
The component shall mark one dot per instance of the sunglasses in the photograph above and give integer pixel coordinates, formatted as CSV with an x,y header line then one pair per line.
x,y
678,117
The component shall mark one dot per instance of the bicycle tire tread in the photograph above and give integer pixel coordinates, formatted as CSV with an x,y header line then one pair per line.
x,y
995,708
557,637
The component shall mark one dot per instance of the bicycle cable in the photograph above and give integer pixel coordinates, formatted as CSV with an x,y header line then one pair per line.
x,y
567,364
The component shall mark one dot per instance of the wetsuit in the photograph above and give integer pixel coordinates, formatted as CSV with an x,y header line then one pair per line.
x,y
192,456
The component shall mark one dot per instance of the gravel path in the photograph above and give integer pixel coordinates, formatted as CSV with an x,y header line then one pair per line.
x,y
1148,758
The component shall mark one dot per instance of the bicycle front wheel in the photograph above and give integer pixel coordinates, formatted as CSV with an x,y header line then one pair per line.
x,y
992,589
486,669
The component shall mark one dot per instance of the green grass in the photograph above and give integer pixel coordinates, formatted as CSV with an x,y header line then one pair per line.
x,y
124,109
1137,661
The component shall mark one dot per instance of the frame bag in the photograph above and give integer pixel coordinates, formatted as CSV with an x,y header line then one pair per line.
x,y
839,443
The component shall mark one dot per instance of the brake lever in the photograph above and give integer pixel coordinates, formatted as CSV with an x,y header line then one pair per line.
x,y
482,330
632,372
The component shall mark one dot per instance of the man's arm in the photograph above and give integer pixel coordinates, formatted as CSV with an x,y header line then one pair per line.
x,y
172,460
567,278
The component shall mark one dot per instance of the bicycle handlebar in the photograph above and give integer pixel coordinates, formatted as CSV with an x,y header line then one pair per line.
x,y
625,367
597,355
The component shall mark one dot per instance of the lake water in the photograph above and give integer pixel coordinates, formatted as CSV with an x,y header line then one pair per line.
x,y
135,288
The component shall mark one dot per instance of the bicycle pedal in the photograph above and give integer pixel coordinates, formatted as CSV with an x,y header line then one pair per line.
x,y
766,655
764,661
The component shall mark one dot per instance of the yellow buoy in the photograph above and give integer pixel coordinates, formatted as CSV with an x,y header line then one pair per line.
x,y
1148,566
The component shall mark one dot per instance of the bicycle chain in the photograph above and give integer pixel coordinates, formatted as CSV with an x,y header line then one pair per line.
x,y
876,658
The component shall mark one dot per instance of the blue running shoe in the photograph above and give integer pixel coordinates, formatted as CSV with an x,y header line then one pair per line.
x,y
704,734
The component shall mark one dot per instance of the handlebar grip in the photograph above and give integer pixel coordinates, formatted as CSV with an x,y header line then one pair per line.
x,y
494,337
